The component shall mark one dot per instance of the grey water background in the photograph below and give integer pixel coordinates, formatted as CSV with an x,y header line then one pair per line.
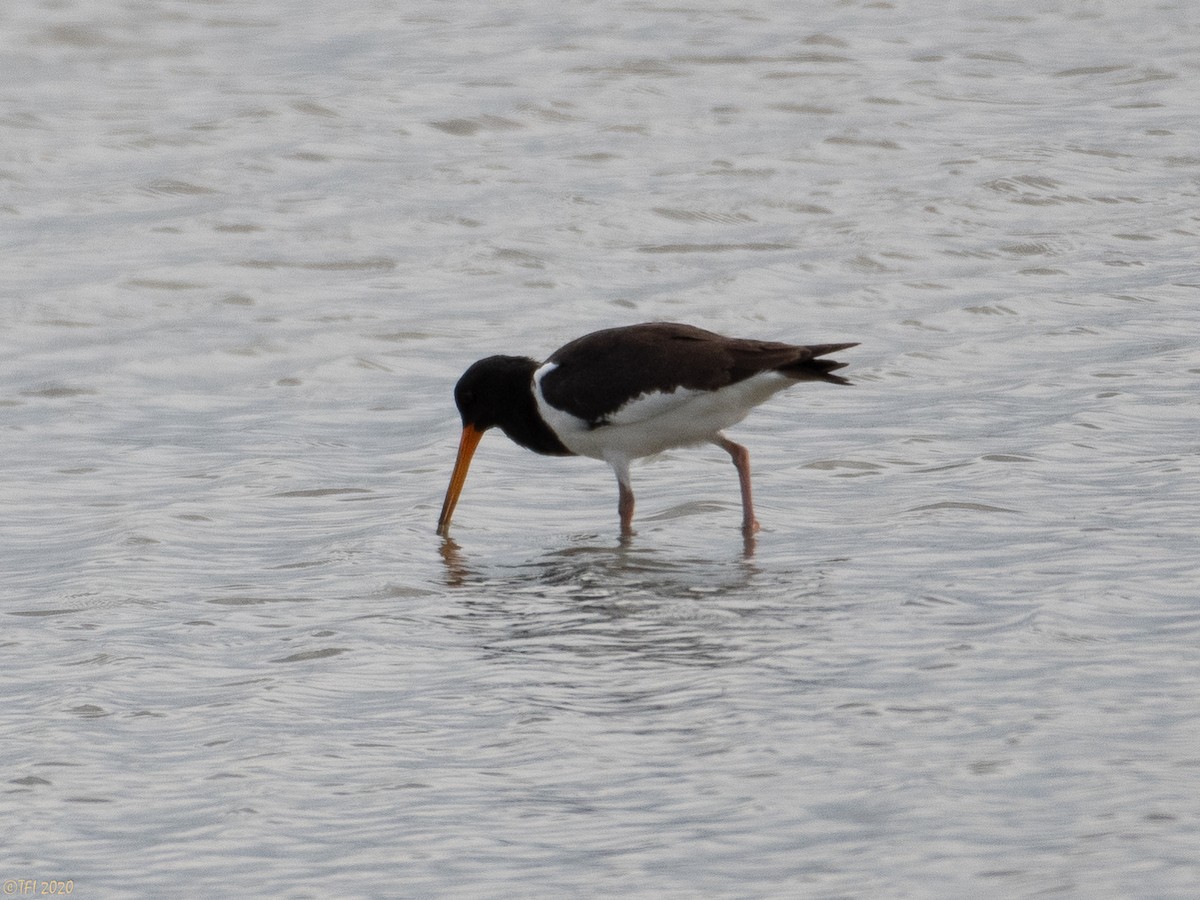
x,y
248,247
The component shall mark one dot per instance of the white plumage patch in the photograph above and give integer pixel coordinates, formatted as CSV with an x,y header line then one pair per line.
x,y
658,421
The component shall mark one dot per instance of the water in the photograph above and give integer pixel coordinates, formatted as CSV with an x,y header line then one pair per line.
x,y
249,247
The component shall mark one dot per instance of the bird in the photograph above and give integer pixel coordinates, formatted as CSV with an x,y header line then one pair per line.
x,y
624,393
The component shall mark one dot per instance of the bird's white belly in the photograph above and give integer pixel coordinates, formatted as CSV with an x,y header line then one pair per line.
x,y
657,421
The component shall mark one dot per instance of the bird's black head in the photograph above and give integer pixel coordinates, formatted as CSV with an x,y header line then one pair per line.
x,y
492,390
498,392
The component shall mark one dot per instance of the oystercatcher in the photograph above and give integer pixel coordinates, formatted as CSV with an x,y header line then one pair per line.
x,y
624,393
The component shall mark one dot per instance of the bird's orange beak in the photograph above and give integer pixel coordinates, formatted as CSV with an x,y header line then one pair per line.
x,y
466,449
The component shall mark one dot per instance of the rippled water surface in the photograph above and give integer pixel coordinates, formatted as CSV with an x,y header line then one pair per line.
x,y
248,248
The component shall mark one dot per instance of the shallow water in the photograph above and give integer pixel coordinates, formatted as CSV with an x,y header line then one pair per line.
x,y
249,248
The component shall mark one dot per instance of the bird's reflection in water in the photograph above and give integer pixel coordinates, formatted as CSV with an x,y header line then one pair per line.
x,y
591,600
587,559
458,572
627,554
749,545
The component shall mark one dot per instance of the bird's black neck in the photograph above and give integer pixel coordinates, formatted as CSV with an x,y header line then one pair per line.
x,y
525,425
498,392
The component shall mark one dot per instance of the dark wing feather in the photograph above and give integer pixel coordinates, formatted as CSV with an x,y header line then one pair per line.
x,y
599,373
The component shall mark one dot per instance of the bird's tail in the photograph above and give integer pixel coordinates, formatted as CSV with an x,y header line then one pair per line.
x,y
809,368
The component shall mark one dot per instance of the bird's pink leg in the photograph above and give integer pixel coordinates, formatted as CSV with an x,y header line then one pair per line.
x,y
741,461
625,508
625,500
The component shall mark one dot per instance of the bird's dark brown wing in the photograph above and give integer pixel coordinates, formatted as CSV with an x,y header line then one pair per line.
x,y
597,374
